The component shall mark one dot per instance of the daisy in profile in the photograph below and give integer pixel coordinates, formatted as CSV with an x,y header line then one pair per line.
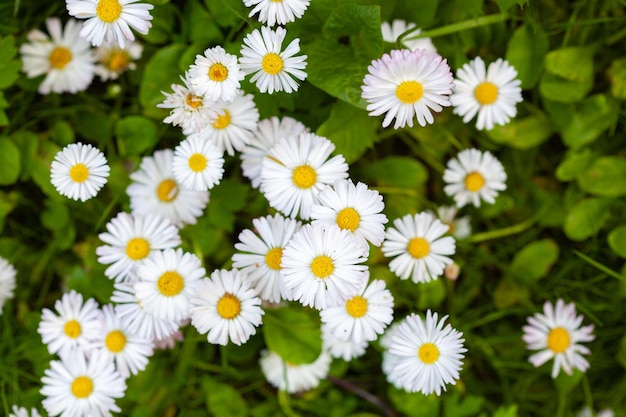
x,y
72,328
459,227
7,282
154,190
557,334
110,21
474,176
79,171
261,252
343,349
216,75
226,308
420,251
355,208
492,93
294,378
168,280
198,163
131,238
112,61
439,353
267,133
23,412
296,170
392,31
64,57
322,266
404,85
81,387
273,12
272,68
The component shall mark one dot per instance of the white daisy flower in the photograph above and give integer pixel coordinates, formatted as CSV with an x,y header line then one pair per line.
x,y
113,61
268,132
131,238
79,171
392,31
361,317
474,176
262,255
155,191
198,163
354,208
226,307
168,280
557,335
65,58
80,387
439,353
23,412
459,227
168,343
110,21
273,12
272,69
417,243
294,378
492,93
7,282
389,360
74,326
338,348
295,171
322,266
405,84
216,75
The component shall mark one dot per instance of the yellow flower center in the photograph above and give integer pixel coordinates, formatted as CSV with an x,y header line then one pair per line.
x,y
304,176
167,190
474,181
418,247
82,387
322,266
272,63
409,92
558,340
273,258
428,353
118,61
170,283
79,172
222,121
137,248
60,57
197,162
193,101
486,93
348,219
218,72
228,306
115,341
72,329
108,10
356,306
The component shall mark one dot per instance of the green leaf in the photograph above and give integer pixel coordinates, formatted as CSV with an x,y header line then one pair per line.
x,y
526,50
523,133
534,260
566,383
564,91
617,240
414,404
9,67
574,164
224,400
396,171
506,411
162,24
62,133
10,165
227,198
421,12
361,24
431,294
586,218
56,216
94,125
455,405
605,177
293,334
202,26
228,13
569,74
591,117
136,134
505,5
160,73
617,75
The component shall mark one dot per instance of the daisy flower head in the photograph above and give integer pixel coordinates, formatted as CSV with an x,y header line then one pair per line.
x,y
459,227
439,353
81,387
23,412
110,21
322,266
557,334
65,58
216,74
226,308
420,251
7,282
272,68
112,61
344,349
392,31
474,176
79,171
586,412
273,12
168,279
405,84
198,163
296,170
492,93
294,378
154,190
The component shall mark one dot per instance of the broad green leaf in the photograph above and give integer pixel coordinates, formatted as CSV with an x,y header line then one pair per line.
x,y
10,164
227,198
526,51
617,240
591,117
41,169
160,73
396,171
617,75
455,405
566,383
62,133
574,163
224,400
586,218
431,294
7,203
414,404
9,67
571,63
28,143
605,177
523,133
421,12
162,24
293,334
559,89
228,13
94,125
56,216
534,260
361,24
506,411
136,134
202,27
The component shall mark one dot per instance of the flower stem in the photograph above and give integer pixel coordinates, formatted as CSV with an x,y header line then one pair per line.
x,y
506,231
457,27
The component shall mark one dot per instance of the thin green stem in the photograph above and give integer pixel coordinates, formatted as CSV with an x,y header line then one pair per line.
x,y
504,232
599,266
284,403
459,26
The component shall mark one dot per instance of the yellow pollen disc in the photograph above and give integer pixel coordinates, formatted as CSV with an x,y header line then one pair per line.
x,y
486,93
82,387
356,306
197,162
273,258
79,173
60,57
218,72
348,219
428,353
170,283
322,266
137,248
193,101
228,306
108,10
304,176
409,92
115,341
72,329
272,63
474,181
167,190
222,121
418,247
558,340
118,61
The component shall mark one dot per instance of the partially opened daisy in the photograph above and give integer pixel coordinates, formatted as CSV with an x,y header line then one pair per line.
x,y
418,246
291,377
344,349
427,354
79,171
23,412
474,176
492,93
111,21
392,31
7,281
404,85
226,308
216,74
113,61
198,163
557,334
272,68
